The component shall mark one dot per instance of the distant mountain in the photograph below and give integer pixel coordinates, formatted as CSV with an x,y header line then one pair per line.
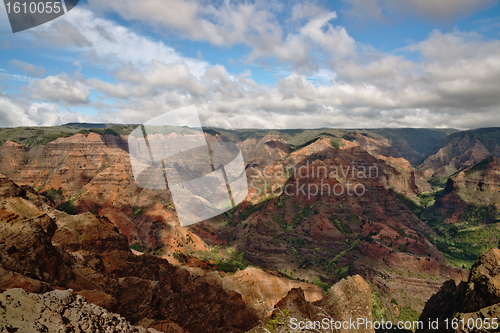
x,y
35,136
461,150
414,143
411,143
87,125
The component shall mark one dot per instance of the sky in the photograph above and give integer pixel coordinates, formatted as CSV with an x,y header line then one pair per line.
x,y
258,64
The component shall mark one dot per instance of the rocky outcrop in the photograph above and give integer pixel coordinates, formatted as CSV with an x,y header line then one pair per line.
x,y
58,311
483,286
262,290
348,299
378,162
310,237
478,298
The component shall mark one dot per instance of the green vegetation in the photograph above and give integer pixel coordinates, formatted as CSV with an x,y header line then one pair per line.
x,y
106,131
415,207
333,262
478,215
34,136
348,137
379,311
420,139
343,227
54,195
280,322
178,255
249,211
231,266
225,258
233,220
466,243
340,273
138,247
303,215
136,211
68,206
325,286
406,313
437,184
461,241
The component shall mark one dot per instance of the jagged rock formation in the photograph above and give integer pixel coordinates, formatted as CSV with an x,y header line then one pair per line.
x,y
478,298
262,290
58,311
350,298
42,249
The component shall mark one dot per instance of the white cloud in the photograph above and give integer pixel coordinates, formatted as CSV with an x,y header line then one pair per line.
x,y
108,43
30,69
462,69
442,10
20,113
384,91
383,68
453,46
335,40
364,10
158,75
59,88
226,24
255,25
334,80
113,90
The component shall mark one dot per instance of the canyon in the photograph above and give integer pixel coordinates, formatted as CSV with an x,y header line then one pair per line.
x,y
91,229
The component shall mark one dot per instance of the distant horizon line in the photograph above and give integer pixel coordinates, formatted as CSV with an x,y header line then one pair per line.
x,y
105,125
